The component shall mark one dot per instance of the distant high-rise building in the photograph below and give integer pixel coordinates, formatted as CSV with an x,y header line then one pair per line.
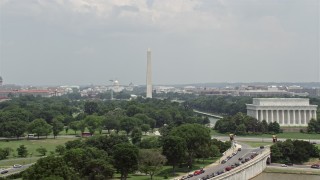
x,y
149,74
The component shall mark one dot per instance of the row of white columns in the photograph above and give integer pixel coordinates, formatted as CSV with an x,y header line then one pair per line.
x,y
286,116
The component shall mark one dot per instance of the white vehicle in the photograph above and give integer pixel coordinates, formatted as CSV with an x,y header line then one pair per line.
x,y
283,165
17,166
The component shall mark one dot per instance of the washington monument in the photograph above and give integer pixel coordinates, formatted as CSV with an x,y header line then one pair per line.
x,y
149,75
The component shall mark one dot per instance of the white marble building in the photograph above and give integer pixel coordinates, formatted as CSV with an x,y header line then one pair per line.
x,y
285,111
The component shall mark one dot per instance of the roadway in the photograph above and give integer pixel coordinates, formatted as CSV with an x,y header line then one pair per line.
x,y
259,139
14,170
246,152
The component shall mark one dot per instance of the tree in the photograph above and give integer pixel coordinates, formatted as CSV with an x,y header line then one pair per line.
x,y
93,123
150,143
74,126
22,151
91,107
43,151
195,136
5,152
174,148
151,161
39,127
111,123
145,128
13,128
60,149
50,168
136,136
241,129
126,159
264,126
313,126
274,127
57,127
276,154
127,124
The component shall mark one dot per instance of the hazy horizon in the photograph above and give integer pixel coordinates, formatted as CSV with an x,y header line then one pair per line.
x,y
193,41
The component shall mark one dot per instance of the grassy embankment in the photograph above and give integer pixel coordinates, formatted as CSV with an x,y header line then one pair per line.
x,y
292,171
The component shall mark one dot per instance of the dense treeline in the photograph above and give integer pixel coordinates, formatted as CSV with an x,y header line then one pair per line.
x,y
100,157
293,151
43,116
227,105
242,124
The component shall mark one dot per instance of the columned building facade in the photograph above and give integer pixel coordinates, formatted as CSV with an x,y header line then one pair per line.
x,y
285,111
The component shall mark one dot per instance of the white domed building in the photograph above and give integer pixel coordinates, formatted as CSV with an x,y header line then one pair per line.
x,y
116,86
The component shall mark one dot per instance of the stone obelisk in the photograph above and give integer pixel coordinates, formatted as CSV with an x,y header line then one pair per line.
x,y
149,74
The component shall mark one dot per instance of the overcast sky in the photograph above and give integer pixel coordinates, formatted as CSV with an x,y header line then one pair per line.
x,y
59,42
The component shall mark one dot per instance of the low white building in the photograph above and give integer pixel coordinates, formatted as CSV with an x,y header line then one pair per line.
x,y
285,111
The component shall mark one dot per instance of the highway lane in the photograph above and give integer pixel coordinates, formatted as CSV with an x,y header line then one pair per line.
x,y
244,153
15,170
259,139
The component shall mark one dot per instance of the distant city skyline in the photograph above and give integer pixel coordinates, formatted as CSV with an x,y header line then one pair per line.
x,y
89,42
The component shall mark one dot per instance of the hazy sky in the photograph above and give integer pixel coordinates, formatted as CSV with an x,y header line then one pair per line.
x,y
57,42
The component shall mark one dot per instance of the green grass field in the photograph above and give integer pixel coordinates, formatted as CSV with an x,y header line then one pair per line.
x,y
32,145
286,135
291,171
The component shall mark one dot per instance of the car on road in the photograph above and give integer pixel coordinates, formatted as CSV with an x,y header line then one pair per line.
x,y
283,165
240,159
183,178
239,149
228,168
4,171
261,147
17,166
289,164
223,161
316,166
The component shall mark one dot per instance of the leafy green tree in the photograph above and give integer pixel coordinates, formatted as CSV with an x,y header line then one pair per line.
x,y
195,136
274,127
106,143
127,124
145,128
74,126
150,143
39,127
132,110
5,152
78,143
151,161
57,127
22,151
41,150
276,154
93,123
126,159
241,129
90,162
175,149
91,107
13,128
313,126
136,136
50,168
111,123
264,126
60,149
